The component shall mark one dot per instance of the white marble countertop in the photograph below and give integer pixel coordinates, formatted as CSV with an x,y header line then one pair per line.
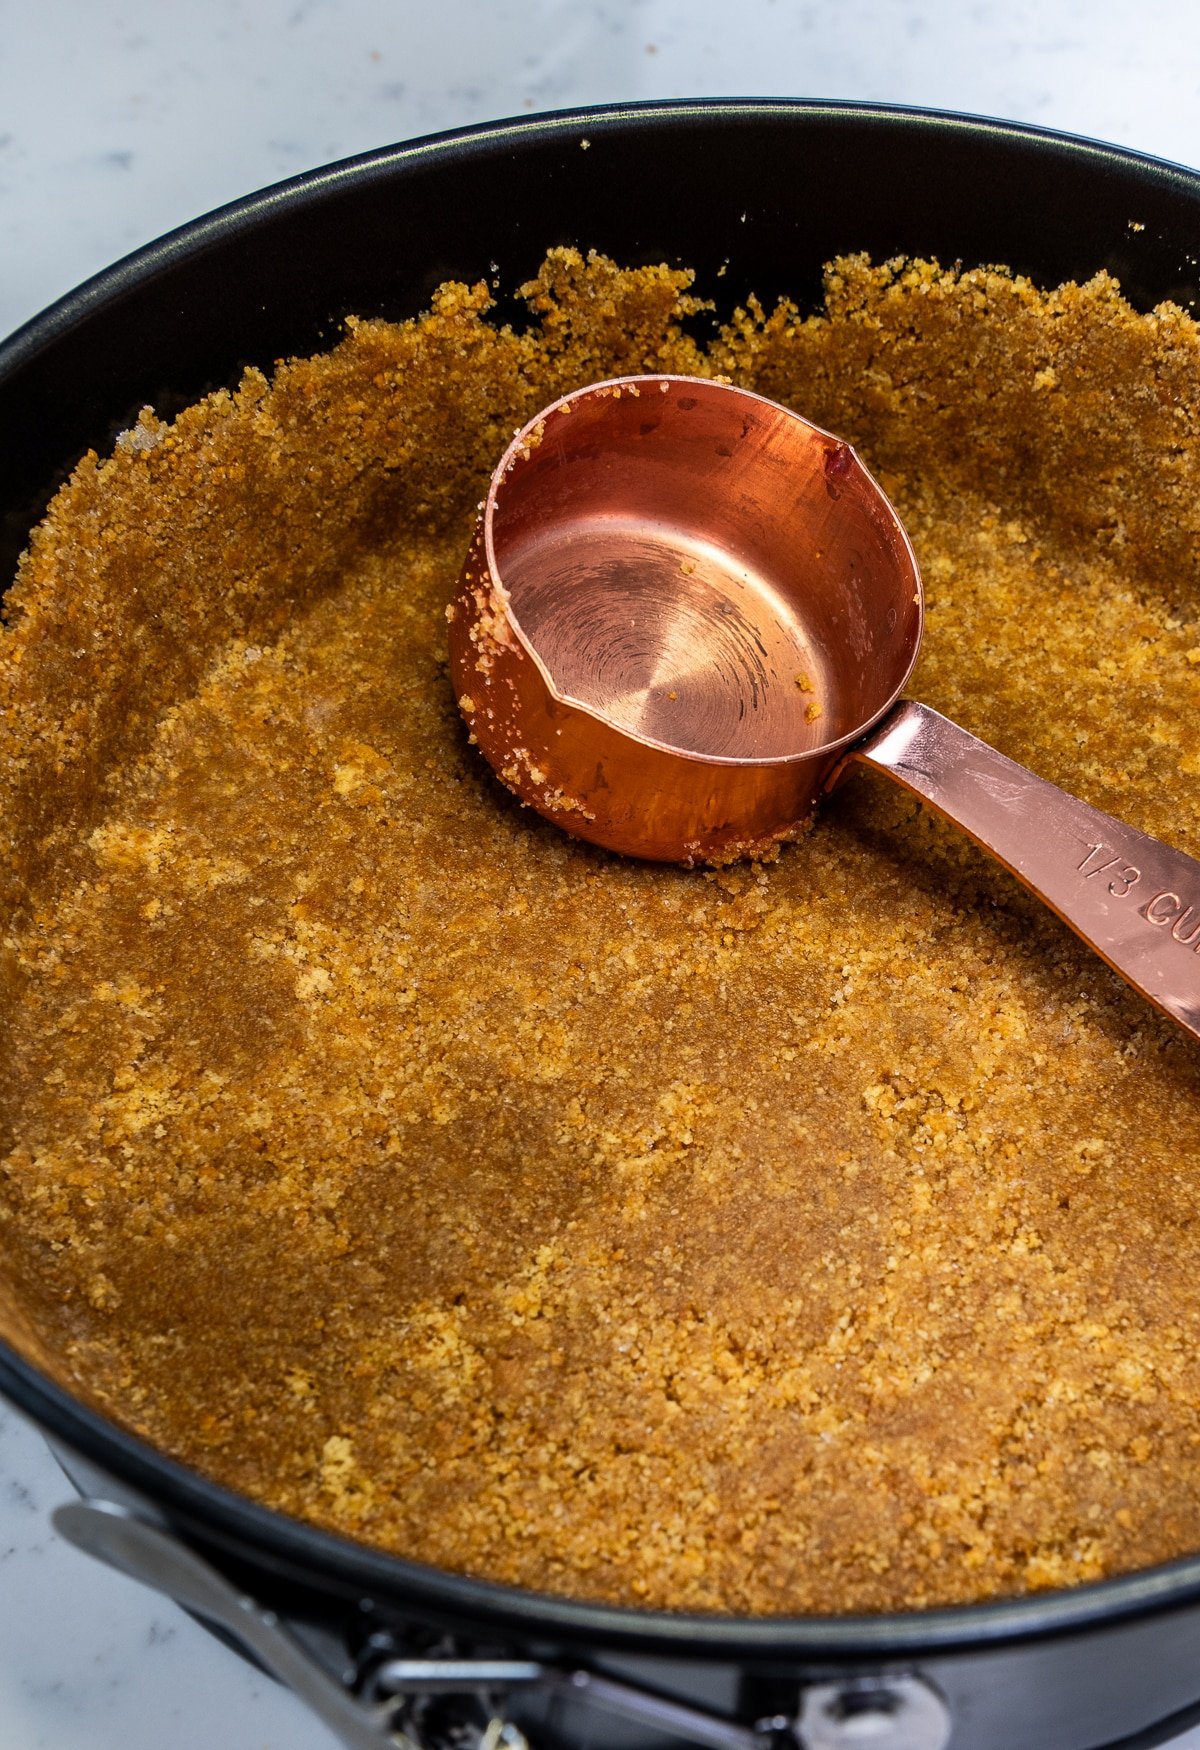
x,y
119,122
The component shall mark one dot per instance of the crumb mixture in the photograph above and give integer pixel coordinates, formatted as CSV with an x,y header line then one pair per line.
x,y
814,1235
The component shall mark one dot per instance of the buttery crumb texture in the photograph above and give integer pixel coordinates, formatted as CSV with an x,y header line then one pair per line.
x,y
814,1235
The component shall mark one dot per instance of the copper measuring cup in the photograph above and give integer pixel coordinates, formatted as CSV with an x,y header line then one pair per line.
x,y
686,611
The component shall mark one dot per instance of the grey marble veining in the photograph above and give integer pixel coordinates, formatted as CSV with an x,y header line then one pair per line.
x,y
91,1661
119,122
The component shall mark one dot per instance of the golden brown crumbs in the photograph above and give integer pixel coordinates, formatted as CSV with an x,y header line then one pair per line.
x,y
820,1234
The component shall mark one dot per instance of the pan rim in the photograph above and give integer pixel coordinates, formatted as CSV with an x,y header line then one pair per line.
x,y
302,1553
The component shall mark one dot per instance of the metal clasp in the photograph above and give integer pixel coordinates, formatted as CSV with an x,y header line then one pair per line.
x,y
388,1700
903,1712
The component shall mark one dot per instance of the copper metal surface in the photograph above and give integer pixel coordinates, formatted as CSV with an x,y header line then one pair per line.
x,y
681,603
684,612
1135,900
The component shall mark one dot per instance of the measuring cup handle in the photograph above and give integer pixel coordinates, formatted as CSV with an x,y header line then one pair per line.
x,y
1133,899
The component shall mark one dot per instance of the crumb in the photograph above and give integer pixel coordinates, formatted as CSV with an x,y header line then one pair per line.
x,y
809,1234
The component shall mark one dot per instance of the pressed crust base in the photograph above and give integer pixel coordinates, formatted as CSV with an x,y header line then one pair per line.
x,y
818,1235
